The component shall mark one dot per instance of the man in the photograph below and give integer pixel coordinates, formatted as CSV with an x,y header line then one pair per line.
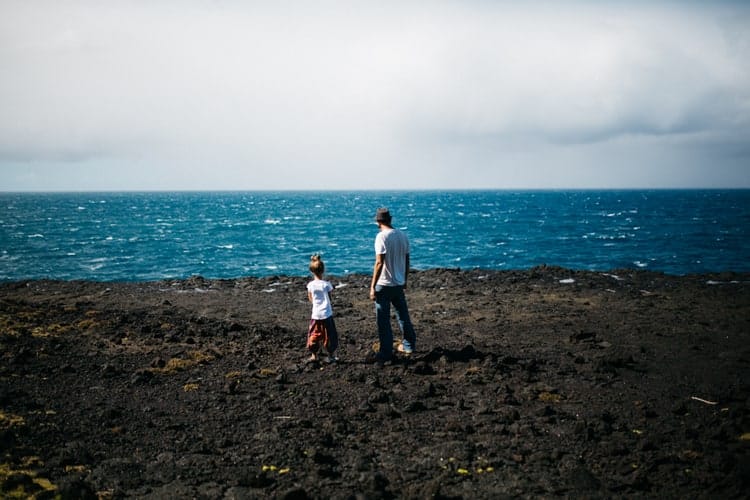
x,y
388,283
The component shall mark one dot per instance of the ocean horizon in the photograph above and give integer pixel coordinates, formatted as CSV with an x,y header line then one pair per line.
x,y
155,235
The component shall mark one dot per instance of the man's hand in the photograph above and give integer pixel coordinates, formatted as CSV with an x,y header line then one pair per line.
x,y
377,269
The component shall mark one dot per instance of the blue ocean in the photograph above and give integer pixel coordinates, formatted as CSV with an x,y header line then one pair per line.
x,y
153,236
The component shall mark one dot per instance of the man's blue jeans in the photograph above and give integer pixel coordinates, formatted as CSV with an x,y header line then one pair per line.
x,y
384,297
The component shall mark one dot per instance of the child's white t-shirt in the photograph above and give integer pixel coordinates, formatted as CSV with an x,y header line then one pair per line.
x,y
321,302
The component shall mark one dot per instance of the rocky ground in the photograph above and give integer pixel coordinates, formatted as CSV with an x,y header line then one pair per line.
x,y
539,383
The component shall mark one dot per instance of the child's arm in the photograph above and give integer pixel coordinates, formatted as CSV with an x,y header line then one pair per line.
x,y
309,296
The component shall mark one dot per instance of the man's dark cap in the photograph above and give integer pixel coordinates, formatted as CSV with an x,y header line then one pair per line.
x,y
383,215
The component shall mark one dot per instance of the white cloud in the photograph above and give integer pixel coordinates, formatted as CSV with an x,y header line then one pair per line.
x,y
589,75
295,95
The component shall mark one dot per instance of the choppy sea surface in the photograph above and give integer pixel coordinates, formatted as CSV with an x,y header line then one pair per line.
x,y
151,236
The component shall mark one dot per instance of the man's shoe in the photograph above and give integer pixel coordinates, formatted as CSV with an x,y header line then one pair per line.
x,y
404,350
373,358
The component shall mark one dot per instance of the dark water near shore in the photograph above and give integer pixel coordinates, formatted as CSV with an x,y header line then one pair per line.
x,y
149,236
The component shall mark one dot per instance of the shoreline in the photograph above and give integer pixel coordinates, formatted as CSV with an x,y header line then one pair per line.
x,y
621,384
541,268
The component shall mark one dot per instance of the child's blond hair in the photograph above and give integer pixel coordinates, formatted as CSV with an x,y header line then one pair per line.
x,y
317,267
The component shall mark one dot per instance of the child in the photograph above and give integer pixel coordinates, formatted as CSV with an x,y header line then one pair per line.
x,y
322,332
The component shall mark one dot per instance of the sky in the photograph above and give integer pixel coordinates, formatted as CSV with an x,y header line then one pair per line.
x,y
288,95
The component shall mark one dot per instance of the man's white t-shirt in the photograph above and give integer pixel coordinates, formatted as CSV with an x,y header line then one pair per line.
x,y
395,246
321,302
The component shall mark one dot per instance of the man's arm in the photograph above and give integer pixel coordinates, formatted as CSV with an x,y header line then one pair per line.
x,y
379,263
406,271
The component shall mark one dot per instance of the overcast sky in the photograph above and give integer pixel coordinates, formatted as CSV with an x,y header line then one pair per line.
x,y
171,95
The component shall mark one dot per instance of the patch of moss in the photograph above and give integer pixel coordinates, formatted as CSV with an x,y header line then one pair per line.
x,y
80,469
88,324
32,461
549,397
14,324
194,358
51,330
8,420
23,483
177,364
